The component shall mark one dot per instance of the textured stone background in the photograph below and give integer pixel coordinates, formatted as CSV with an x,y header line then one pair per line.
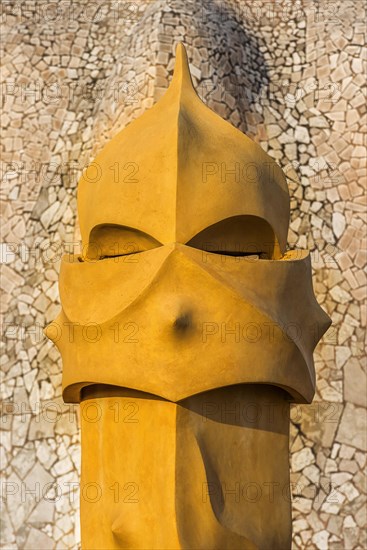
x,y
289,74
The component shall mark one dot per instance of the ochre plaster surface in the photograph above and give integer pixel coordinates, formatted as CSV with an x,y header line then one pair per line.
x,y
185,297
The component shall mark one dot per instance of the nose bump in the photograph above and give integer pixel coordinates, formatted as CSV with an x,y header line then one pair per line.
x,y
183,322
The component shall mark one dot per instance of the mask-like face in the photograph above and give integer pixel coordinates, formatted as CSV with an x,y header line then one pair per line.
x,y
186,297
184,222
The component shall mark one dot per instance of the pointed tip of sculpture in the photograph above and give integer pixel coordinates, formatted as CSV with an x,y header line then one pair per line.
x,y
180,49
181,75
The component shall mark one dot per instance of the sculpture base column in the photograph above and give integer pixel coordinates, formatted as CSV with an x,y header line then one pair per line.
x,y
209,472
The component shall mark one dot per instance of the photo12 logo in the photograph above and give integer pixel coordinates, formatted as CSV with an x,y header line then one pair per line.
x,y
69,13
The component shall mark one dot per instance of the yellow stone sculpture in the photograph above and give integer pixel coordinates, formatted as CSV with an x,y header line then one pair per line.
x,y
186,331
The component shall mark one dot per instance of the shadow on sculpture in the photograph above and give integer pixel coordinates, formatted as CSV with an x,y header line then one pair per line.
x,y
193,331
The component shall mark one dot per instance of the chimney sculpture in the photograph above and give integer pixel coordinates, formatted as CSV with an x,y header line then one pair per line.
x,y
186,331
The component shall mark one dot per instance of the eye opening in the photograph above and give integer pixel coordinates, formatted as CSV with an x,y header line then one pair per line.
x,y
121,253
239,236
112,241
249,255
107,256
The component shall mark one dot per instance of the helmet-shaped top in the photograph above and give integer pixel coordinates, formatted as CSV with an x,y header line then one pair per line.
x,y
180,173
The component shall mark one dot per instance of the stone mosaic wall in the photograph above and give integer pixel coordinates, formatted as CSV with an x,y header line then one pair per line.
x,y
289,74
